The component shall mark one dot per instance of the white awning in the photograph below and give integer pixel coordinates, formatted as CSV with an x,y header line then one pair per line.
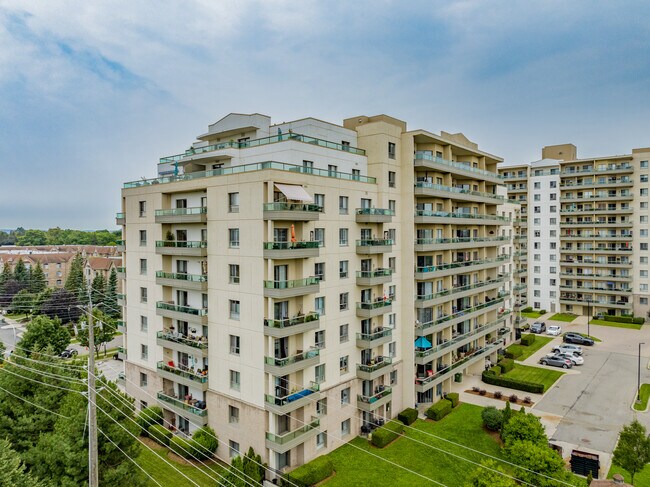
x,y
294,192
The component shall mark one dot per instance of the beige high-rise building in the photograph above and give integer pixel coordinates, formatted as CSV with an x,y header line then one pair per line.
x,y
291,284
586,221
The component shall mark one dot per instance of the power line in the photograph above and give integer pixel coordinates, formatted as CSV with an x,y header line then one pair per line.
x,y
33,404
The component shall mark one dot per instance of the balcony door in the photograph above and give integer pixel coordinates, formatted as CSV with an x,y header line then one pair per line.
x,y
181,266
280,273
281,347
181,298
366,356
280,235
366,265
366,295
181,235
366,327
182,203
281,386
281,310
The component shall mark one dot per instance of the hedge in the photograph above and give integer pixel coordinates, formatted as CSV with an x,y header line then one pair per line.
x,y
529,309
408,416
147,417
542,311
160,434
207,440
496,369
201,446
622,319
527,340
310,473
387,433
506,365
513,351
520,385
439,410
453,398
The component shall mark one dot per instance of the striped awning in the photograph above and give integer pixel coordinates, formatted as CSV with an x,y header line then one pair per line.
x,y
294,192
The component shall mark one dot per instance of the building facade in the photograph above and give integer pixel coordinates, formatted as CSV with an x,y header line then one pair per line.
x,y
292,284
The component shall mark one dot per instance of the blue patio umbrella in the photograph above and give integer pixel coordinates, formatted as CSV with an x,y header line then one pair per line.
x,y
422,342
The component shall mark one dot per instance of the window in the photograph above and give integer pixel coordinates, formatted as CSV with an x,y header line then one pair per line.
x,y
356,174
319,270
319,373
321,407
553,196
392,349
537,209
553,209
537,221
233,238
643,232
536,269
234,273
643,300
537,257
393,377
552,294
643,260
537,185
233,448
233,414
553,245
392,263
391,150
143,294
644,205
644,192
644,164
552,221
319,236
343,269
343,364
643,287
392,206
643,273
345,396
537,281
391,179
332,169
345,145
143,238
643,219
143,208
143,404
319,200
319,339
343,205
538,233
143,266
344,301
643,246
143,379
234,310
233,202
552,233
234,344
319,305
343,333
552,270
343,237
536,197
537,293
553,184
235,380
345,427
321,440
536,304
144,323
144,352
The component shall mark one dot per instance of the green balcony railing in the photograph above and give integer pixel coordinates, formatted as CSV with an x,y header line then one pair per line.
x,y
291,245
458,363
375,211
387,391
201,343
428,156
293,396
375,273
181,404
430,241
284,206
292,435
182,309
384,332
119,215
183,372
456,290
458,338
182,277
199,210
289,322
455,265
382,303
378,363
282,362
183,244
448,214
608,167
374,242
121,270
445,318
293,284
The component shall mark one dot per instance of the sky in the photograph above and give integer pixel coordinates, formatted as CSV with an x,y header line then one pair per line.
x,y
93,93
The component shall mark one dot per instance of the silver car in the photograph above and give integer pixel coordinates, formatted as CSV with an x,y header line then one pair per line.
x,y
574,357
568,348
557,361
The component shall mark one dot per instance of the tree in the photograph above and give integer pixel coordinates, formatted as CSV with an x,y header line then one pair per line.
x,y
21,274
523,426
633,449
110,300
42,298
37,282
75,282
22,302
507,413
6,275
10,289
246,471
62,304
12,469
482,477
537,458
45,332
2,354
492,418
98,290
105,328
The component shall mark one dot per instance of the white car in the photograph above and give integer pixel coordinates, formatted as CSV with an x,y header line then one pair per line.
x,y
568,348
574,357
554,330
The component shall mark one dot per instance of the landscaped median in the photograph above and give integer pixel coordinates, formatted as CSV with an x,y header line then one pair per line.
x,y
529,345
531,313
644,395
618,322
521,377
566,317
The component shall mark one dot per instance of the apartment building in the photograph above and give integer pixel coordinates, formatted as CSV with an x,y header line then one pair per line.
x,y
586,221
291,284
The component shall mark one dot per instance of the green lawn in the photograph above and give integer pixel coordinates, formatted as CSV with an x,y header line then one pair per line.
x,y
531,314
641,478
630,326
527,351
566,317
535,374
645,395
463,426
154,464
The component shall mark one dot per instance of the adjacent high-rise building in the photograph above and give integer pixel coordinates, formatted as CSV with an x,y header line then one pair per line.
x,y
583,231
291,284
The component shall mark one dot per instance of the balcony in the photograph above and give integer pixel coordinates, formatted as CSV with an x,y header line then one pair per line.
x,y
188,248
433,244
120,219
597,223
374,308
301,212
446,217
603,169
293,288
293,401
432,299
371,340
289,365
621,291
121,272
426,160
423,188
371,403
372,278
598,276
374,215
622,210
121,299
624,181
194,282
198,214
182,313
445,321
291,250
375,368
621,237
597,263
616,304
424,273
121,246
198,416
291,326
374,246
121,326
286,441
182,375
175,341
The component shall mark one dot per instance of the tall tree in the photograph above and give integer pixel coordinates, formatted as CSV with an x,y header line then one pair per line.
x,y
633,449
99,290
483,477
62,304
537,458
6,275
23,302
37,281
244,472
523,426
9,290
12,469
110,300
75,282
45,332
21,274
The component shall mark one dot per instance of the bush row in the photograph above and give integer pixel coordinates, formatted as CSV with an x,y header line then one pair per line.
x,y
506,365
496,369
310,473
408,416
439,410
453,398
527,340
490,378
160,434
148,417
387,433
623,319
513,352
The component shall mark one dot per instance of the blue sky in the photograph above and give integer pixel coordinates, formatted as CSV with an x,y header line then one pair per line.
x,y
92,93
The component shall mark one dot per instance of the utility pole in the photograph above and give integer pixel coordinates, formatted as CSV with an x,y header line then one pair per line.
x,y
93,473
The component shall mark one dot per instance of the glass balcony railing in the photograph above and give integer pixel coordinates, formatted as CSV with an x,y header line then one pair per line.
x,y
121,270
375,211
181,404
448,292
428,156
282,362
260,166
453,189
182,244
375,273
385,391
375,364
296,283
444,318
292,435
374,242
284,206
473,216
458,338
182,309
458,363
182,277
430,241
291,245
455,265
169,336
119,216
199,210
184,372
384,332
293,396
369,305
608,167
289,322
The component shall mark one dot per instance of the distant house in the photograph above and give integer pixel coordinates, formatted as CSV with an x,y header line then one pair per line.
x,y
56,266
99,265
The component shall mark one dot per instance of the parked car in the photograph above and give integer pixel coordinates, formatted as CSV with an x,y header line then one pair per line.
x,y
574,357
569,348
554,330
538,327
69,353
557,361
578,338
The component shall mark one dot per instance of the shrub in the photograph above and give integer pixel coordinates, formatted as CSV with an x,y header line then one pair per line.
x,y
453,398
482,392
513,352
207,440
408,416
160,434
529,309
492,418
439,410
476,389
498,395
506,365
496,369
147,417
638,321
527,340
621,319
509,383
201,446
527,400
542,311
387,433
310,473
523,426
513,398
183,447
